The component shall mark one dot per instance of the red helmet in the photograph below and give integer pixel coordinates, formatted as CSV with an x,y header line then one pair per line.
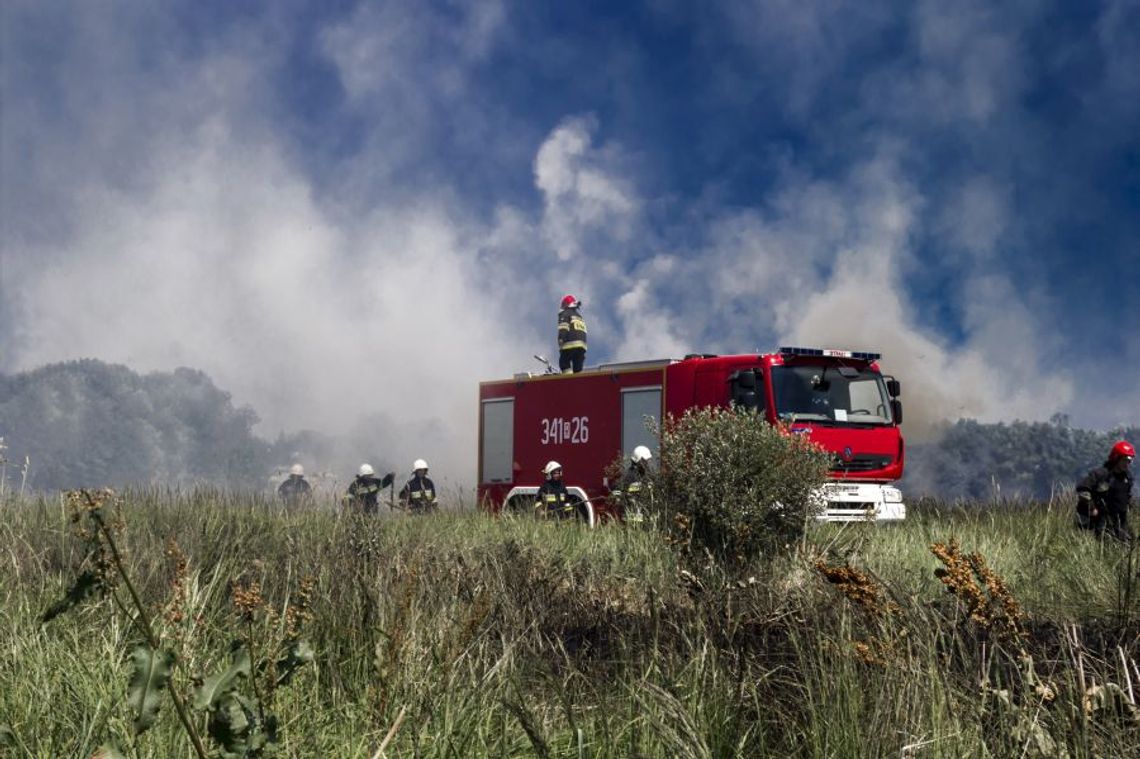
x,y
569,301
1121,449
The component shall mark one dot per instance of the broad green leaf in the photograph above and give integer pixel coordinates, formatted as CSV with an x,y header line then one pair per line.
x,y
263,738
229,726
150,673
217,687
84,585
299,654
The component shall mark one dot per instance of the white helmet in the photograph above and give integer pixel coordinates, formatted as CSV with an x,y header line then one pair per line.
x,y
641,453
365,470
419,464
551,467
297,469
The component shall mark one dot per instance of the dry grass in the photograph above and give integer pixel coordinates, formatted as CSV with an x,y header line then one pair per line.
x,y
461,635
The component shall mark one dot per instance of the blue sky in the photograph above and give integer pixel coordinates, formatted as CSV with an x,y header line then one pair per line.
x,y
354,211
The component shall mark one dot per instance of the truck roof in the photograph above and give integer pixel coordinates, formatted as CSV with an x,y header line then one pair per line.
x,y
780,355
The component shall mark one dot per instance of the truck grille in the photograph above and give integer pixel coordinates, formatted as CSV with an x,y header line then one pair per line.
x,y
860,463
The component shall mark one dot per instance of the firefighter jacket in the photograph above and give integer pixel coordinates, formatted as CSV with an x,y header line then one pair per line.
x,y
364,492
1109,492
554,500
633,491
418,494
631,483
571,330
293,489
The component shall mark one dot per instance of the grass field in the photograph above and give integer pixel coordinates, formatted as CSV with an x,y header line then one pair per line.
x,y
460,635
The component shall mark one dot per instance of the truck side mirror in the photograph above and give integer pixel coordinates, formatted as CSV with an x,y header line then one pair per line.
x,y
744,379
896,410
744,393
894,388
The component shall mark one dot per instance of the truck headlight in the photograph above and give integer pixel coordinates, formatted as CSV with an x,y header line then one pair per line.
x,y
892,495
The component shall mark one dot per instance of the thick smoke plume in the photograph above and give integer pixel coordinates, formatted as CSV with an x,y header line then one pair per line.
x,y
166,204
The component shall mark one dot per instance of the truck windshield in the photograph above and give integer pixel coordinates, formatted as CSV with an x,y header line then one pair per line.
x,y
821,393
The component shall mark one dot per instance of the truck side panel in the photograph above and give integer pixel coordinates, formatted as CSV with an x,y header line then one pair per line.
x,y
574,419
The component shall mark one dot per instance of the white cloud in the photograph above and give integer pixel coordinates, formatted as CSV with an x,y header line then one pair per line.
x,y
648,328
1002,369
410,54
970,65
976,217
822,264
582,194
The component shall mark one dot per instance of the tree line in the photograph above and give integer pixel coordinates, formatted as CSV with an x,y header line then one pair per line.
x,y
87,422
971,460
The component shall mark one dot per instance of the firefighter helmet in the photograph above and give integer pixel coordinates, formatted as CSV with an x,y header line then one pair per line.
x,y
569,301
641,453
551,467
365,470
419,464
1121,449
297,469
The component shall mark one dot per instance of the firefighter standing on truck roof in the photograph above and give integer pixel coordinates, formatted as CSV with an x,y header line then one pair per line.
x,y
1105,492
553,500
364,493
571,336
418,493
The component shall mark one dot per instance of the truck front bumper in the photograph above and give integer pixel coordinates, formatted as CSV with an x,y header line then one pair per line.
x,y
848,501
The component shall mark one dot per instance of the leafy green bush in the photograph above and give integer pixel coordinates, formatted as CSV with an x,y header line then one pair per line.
x,y
732,487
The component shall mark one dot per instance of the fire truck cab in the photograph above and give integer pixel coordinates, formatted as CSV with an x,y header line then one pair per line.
x,y
838,398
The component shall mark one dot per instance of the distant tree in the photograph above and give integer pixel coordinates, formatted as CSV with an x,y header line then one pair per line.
x,y
88,423
977,461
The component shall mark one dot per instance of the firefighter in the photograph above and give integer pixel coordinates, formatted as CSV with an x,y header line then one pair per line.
x,y
633,490
552,499
571,336
295,489
418,494
1104,494
364,492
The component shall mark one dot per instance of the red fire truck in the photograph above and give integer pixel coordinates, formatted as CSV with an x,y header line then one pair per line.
x,y
585,421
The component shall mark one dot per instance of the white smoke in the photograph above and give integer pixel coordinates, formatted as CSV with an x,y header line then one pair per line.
x,y
166,218
581,195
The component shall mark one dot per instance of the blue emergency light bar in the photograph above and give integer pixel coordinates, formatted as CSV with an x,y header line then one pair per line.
x,y
830,353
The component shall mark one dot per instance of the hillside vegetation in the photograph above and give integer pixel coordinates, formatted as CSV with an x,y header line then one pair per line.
x,y
974,461
84,422
459,635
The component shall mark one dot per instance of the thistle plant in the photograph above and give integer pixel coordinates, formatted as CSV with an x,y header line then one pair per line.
x,y
989,604
868,596
267,651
